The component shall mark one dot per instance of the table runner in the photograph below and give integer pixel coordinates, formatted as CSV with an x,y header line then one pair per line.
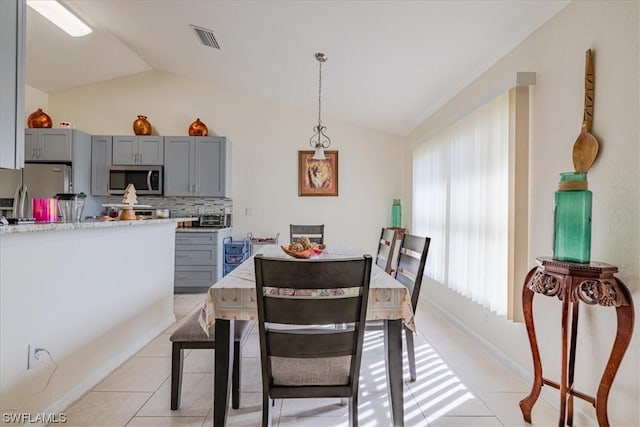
x,y
234,296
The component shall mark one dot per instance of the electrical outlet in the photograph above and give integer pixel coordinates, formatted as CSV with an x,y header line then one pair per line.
x,y
36,355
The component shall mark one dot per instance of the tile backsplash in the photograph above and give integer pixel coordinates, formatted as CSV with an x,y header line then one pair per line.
x,y
181,206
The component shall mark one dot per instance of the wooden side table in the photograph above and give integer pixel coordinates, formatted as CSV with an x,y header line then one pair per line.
x,y
572,283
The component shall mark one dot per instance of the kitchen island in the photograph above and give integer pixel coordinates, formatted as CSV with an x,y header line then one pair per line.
x,y
91,294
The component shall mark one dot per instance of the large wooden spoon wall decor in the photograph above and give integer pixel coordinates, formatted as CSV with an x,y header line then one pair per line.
x,y
585,149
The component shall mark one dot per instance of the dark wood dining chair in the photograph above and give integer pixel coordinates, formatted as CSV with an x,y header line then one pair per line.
x,y
412,258
315,233
386,249
190,335
302,354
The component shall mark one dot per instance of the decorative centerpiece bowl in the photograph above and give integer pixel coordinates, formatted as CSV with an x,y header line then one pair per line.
x,y
297,251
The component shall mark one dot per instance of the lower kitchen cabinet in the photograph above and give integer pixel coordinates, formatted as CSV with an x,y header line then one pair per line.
x,y
199,259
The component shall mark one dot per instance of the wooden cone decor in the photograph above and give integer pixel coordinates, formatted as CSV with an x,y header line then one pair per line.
x,y
130,199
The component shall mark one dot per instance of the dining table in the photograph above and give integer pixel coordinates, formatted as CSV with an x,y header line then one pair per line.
x,y
234,298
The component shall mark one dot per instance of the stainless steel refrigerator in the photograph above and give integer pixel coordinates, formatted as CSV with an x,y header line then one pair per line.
x,y
35,180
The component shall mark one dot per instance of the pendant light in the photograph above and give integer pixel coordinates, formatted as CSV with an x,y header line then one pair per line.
x,y
320,141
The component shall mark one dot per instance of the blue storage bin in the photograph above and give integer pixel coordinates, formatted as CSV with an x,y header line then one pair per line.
x,y
236,248
228,268
235,253
235,259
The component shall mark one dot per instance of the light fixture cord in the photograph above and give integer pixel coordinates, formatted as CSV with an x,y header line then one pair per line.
x,y
320,95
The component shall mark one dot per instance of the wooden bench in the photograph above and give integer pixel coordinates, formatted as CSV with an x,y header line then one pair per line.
x,y
191,336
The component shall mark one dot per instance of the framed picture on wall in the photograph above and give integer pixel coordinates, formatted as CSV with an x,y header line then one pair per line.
x,y
317,177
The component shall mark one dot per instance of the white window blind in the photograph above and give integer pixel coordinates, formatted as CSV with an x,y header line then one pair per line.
x,y
461,201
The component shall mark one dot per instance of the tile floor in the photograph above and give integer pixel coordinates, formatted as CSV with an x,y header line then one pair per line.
x,y
459,384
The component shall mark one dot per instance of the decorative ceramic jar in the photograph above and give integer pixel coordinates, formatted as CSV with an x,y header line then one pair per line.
x,y
141,126
39,119
572,219
198,128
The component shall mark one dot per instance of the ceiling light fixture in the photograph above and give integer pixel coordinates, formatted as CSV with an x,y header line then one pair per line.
x,y
60,16
319,141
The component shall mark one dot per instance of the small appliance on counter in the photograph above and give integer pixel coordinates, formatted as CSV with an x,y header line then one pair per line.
x,y
143,214
214,220
44,209
71,206
6,207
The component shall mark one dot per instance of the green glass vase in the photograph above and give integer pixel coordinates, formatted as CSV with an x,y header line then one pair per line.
x,y
396,214
572,219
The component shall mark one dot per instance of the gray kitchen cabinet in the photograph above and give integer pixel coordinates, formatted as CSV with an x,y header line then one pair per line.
x,y
100,162
48,145
138,150
199,259
12,44
197,166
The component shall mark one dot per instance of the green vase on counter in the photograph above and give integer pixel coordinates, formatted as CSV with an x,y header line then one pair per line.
x,y
572,219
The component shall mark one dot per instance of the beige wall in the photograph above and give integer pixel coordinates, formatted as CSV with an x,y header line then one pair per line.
x,y
91,315
35,99
266,138
556,53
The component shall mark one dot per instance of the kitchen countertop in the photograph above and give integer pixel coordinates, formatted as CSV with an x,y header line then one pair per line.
x,y
200,229
62,226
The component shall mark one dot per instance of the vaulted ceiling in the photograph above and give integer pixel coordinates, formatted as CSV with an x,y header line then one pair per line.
x,y
391,63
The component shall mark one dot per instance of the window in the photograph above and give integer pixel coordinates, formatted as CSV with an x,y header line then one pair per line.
x,y
461,187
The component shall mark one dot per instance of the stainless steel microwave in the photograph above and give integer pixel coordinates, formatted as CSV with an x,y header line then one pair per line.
x,y
146,179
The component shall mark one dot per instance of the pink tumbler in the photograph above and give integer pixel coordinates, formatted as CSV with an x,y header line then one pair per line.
x,y
44,210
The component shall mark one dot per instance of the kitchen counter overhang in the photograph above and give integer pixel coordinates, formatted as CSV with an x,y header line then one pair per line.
x,y
65,226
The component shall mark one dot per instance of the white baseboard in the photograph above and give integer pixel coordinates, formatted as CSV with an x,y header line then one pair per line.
x,y
103,371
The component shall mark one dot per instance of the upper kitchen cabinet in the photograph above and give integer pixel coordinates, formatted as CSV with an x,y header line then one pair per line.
x,y
48,145
138,150
197,166
100,162
12,44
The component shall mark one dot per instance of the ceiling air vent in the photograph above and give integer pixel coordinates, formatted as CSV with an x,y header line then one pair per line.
x,y
206,36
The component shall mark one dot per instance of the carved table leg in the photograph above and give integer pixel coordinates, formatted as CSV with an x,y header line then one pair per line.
x,y
565,359
527,403
572,359
625,315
